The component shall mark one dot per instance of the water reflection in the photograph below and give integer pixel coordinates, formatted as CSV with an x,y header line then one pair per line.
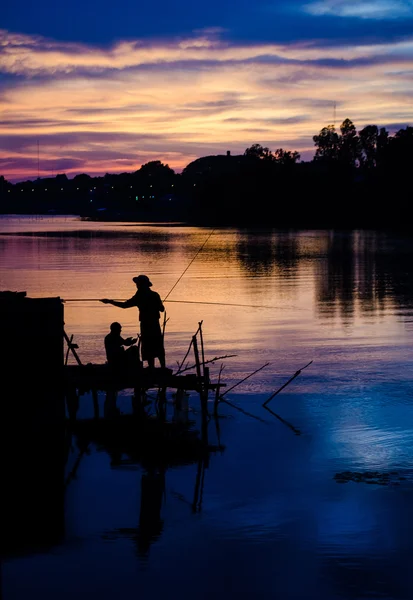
x,y
268,517
150,524
347,269
153,495
262,254
152,443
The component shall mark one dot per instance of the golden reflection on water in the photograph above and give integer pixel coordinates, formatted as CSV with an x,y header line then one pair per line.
x,y
341,299
251,289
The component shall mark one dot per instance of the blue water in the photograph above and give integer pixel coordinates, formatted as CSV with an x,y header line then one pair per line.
x,y
269,519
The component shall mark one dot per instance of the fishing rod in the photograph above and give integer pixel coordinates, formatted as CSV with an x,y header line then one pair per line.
x,y
172,288
185,270
196,302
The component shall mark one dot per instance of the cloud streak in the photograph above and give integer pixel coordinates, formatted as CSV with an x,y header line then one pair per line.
x,y
362,9
100,110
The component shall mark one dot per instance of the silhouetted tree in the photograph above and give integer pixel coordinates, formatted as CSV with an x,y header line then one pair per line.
x,y
4,184
373,146
398,155
401,146
258,151
5,195
349,148
368,143
155,168
286,157
247,189
327,144
382,145
82,180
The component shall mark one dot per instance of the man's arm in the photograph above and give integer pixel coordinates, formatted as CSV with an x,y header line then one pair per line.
x,y
130,341
126,304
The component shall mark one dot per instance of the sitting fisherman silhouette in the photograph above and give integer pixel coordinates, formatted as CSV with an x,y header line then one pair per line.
x,y
117,357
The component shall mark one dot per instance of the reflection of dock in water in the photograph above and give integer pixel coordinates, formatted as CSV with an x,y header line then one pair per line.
x,y
40,390
151,445
149,441
150,522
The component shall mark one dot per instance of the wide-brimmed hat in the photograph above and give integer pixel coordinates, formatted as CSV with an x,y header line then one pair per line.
x,y
142,280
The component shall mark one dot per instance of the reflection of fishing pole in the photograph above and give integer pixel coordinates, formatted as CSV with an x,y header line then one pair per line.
x,y
296,431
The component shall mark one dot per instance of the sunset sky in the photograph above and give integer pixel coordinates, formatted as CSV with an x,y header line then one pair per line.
x,y
100,87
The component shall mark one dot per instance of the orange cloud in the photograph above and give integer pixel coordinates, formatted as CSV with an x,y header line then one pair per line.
x,y
97,110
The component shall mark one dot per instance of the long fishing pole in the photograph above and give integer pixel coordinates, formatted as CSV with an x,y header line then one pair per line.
x,y
196,302
185,270
172,288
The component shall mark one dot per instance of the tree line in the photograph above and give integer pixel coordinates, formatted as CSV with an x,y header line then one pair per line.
x,y
355,179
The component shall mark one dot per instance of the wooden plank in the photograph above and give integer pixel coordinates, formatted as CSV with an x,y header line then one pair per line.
x,y
100,377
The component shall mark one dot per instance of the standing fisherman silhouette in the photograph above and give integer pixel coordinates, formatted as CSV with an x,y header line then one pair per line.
x,y
150,306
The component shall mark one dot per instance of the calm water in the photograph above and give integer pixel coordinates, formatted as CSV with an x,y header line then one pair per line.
x,y
271,520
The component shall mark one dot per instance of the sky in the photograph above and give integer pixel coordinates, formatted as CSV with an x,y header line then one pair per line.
x,y
104,87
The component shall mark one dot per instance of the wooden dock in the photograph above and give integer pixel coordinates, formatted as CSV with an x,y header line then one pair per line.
x,y
101,377
92,378
95,378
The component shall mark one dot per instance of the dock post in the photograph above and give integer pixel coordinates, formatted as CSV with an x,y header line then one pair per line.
x,y
72,402
95,403
203,392
32,414
217,392
109,407
138,401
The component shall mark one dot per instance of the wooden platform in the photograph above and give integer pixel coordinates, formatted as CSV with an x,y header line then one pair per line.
x,y
100,377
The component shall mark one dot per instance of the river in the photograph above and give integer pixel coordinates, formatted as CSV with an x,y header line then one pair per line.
x,y
276,518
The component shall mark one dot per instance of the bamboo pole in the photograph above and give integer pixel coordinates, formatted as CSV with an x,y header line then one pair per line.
x,y
72,348
68,349
184,359
196,353
203,393
217,391
285,384
95,403
206,362
245,378
201,339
